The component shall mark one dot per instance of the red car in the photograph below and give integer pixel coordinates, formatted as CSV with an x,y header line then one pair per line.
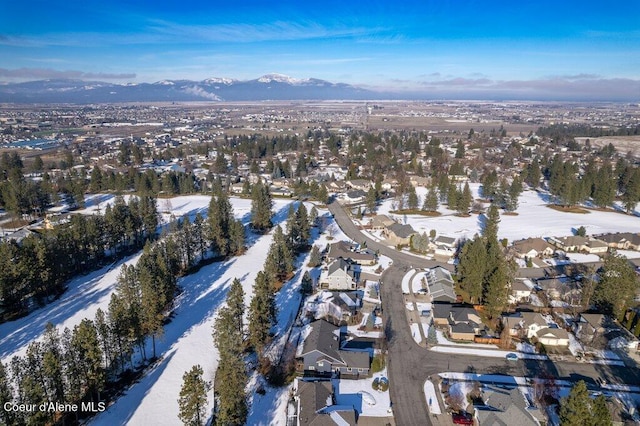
x,y
462,419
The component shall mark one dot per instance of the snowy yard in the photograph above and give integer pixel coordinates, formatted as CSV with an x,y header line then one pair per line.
x,y
360,395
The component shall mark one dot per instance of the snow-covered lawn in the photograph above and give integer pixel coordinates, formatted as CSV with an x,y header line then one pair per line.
x,y
432,398
351,393
534,219
415,332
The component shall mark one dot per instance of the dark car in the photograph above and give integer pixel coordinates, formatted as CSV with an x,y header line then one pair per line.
x,y
462,419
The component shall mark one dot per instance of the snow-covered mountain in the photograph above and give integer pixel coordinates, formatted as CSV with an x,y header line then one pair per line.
x,y
267,87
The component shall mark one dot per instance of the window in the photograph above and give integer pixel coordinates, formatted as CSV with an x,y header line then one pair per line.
x,y
321,364
311,367
360,370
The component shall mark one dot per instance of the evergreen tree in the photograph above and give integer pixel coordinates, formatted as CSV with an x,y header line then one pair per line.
x,y
306,285
464,200
492,219
600,415
279,263
235,302
231,376
431,200
574,409
86,344
453,196
193,397
631,192
262,312
604,188
371,200
412,199
7,417
315,258
323,194
261,207
617,287
313,216
496,291
471,268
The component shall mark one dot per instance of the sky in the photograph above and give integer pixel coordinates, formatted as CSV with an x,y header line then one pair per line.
x,y
438,47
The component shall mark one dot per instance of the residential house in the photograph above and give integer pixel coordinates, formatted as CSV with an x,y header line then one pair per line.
x,y
533,247
237,188
460,322
321,355
345,250
524,324
440,285
419,181
506,407
621,240
589,327
361,184
315,405
561,289
340,275
577,243
398,234
381,221
338,305
520,291
442,240
354,196
553,336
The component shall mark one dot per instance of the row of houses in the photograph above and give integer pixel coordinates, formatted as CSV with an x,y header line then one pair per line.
x,y
531,248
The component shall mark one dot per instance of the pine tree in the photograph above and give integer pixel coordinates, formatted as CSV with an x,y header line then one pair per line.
x,y
453,196
431,200
303,226
412,199
306,285
7,417
52,364
235,302
89,361
600,415
464,200
492,219
496,291
323,194
261,205
279,263
618,284
471,268
574,409
262,312
313,216
193,397
231,376
371,200
315,258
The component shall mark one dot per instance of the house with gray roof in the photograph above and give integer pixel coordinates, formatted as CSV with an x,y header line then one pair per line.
x,y
345,250
505,407
440,285
315,406
321,355
341,274
621,240
398,234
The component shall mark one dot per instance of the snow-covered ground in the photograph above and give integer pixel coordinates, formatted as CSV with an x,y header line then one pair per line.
x,y
353,393
532,210
415,332
432,398
406,281
485,352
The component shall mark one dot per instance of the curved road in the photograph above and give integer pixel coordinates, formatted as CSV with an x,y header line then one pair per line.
x,y
410,365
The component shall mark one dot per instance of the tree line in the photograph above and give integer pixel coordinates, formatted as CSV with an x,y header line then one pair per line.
x,y
36,269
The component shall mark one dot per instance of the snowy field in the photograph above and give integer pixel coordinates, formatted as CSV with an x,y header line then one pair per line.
x,y
534,219
431,398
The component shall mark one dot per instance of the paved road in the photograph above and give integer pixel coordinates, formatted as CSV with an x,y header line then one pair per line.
x,y
410,364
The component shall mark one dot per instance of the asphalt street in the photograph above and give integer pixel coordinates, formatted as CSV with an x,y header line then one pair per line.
x,y
409,364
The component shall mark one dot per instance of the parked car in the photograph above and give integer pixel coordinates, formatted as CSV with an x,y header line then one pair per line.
x,y
462,418
512,357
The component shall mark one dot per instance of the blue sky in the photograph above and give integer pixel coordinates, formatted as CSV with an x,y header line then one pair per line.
x,y
440,47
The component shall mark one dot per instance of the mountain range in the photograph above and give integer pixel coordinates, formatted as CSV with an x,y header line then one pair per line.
x,y
267,87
